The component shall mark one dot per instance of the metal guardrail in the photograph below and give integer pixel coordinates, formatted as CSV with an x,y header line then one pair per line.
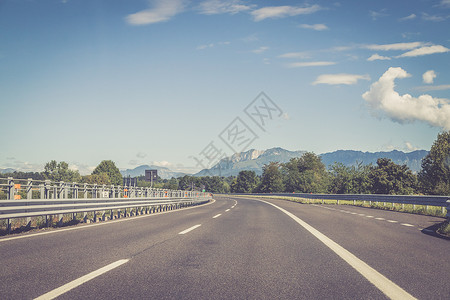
x,y
440,201
47,198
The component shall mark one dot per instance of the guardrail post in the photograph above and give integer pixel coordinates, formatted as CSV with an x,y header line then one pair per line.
x,y
94,191
8,226
75,190
60,220
30,188
11,189
47,189
85,190
448,209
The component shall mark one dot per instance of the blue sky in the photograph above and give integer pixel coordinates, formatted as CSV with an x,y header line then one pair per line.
x,y
169,82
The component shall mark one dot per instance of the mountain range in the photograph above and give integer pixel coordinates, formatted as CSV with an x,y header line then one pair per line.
x,y
254,160
8,170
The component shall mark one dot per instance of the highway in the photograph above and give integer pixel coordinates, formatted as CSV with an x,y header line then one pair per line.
x,y
233,248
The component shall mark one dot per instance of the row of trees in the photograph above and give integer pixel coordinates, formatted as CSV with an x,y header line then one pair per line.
x,y
105,173
306,174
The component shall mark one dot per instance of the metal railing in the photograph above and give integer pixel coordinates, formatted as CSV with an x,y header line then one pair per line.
x,y
440,201
26,198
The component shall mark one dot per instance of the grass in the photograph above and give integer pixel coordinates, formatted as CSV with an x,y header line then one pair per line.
x,y
435,211
445,228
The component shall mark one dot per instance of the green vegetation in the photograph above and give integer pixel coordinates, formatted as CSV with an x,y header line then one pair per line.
x,y
271,179
246,182
445,228
306,174
434,177
436,211
60,172
109,168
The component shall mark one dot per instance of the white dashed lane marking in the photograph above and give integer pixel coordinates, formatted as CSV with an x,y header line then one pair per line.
x,y
190,229
364,215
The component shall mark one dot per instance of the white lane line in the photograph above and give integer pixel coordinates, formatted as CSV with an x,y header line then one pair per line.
x,y
227,210
389,288
216,216
407,225
77,282
369,216
362,215
392,221
353,213
190,229
381,219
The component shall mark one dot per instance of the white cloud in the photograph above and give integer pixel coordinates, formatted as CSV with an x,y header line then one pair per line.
x,y
317,27
141,155
213,7
433,88
378,57
310,64
260,50
294,55
336,79
274,12
375,15
445,3
163,10
383,99
410,17
429,76
395,46
211,45
410,147
205,46
83,169
425,51
431,18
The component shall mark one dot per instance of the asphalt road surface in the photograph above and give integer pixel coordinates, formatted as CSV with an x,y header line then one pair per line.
x,y
233,248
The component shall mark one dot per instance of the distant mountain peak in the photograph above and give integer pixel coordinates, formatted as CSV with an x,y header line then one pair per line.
x,y
254,160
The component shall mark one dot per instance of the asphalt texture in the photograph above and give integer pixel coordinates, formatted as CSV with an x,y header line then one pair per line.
x,y
244,249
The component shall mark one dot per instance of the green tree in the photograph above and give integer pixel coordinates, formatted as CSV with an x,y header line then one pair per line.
x,y
272,180
390,178
305,174
100,179
434,177
349,179
109,167
246,182
188,183
171,184
60,172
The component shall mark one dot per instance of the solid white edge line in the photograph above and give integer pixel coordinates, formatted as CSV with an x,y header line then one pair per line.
x,y
216,216
77,282
190,229
385,285
109,222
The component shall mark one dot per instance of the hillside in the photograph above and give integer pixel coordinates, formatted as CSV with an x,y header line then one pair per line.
x,y
254,160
